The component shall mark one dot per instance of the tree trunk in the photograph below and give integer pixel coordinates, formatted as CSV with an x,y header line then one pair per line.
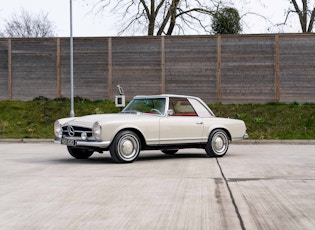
x,y
151,18
303,15
172,10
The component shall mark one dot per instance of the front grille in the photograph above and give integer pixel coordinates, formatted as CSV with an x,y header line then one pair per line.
x,y
75,131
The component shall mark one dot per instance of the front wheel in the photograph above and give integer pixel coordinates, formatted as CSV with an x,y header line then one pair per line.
x,y
218,143
79,153
125,147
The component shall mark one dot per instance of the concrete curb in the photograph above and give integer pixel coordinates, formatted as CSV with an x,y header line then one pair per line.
x,y
26,140
251,142
285,142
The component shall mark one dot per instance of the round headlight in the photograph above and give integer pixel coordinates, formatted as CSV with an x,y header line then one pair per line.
x,y
58,129
97,130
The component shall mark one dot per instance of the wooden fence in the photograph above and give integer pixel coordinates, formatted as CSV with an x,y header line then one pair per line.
x,y
227,69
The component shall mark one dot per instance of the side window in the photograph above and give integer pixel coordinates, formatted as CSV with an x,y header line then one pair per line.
x,y
181,107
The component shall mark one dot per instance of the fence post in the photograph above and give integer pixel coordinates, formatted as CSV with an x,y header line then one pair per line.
x,y
58,69
277,72
219,69
110,69
163,87
10,96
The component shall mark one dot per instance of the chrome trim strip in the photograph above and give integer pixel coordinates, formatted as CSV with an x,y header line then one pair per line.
x,y
152,142
240,138
103,144
180,141
57,141
183,139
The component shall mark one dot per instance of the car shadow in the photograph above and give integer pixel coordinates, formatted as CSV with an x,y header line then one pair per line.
x,y
101,159
91,160
152,157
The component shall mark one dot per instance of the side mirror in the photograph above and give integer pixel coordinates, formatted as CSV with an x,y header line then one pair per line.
x,y
170,112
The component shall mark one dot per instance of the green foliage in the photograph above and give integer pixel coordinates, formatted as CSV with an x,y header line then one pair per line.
x,y
273,120
35,119
226,21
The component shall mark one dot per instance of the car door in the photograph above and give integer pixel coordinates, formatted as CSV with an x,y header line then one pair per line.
x,y
183,125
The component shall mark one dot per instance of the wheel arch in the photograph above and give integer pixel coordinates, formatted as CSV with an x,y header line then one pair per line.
x,y
222,128
136,131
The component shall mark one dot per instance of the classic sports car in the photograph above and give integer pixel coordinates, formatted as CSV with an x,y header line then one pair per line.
x,y
164,122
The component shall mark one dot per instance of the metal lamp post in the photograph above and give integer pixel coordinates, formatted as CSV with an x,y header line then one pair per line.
x,y
71,63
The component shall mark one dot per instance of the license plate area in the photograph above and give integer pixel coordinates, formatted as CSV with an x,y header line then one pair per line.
x,y
68,142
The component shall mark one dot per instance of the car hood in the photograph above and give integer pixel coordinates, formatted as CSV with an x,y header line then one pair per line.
x,y
89,120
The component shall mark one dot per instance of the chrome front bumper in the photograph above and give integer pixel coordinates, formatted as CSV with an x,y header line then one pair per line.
x,y
97,144
245,136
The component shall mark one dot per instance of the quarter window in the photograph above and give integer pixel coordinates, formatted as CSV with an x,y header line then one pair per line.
x,y
181,107
200,108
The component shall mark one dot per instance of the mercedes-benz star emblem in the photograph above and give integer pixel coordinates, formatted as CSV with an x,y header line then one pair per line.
x,y
70,130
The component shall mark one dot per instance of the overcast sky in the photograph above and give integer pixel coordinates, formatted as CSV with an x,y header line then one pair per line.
x,y
87,24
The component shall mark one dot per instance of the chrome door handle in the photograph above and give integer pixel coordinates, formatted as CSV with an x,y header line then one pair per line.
x,y
199,123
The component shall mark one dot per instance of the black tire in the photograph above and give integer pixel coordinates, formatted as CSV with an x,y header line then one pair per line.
x,y
79,153
169,151
125,147
218,143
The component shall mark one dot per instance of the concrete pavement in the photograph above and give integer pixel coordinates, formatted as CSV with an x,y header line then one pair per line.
x,y
270,186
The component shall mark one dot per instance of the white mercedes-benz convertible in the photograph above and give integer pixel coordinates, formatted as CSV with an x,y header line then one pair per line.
x,y
164,122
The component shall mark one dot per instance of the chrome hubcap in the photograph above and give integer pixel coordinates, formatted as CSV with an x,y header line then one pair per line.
x,y
128,147
219,143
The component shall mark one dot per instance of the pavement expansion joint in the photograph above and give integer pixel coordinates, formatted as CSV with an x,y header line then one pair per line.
x,y
242,225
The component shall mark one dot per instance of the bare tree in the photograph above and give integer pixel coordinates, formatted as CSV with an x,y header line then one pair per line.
x,y
306,13
163,16
25,25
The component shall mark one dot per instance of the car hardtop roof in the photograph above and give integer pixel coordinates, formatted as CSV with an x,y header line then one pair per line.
x,y
174,95
164,96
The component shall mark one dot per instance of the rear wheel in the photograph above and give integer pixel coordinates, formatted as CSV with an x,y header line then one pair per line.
x,y
125,147
79,153
218,143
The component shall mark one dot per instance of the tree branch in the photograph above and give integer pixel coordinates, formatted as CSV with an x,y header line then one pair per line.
x,y
311,24
199,10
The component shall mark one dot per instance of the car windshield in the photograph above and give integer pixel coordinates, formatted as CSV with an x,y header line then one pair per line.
x,y
146,105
